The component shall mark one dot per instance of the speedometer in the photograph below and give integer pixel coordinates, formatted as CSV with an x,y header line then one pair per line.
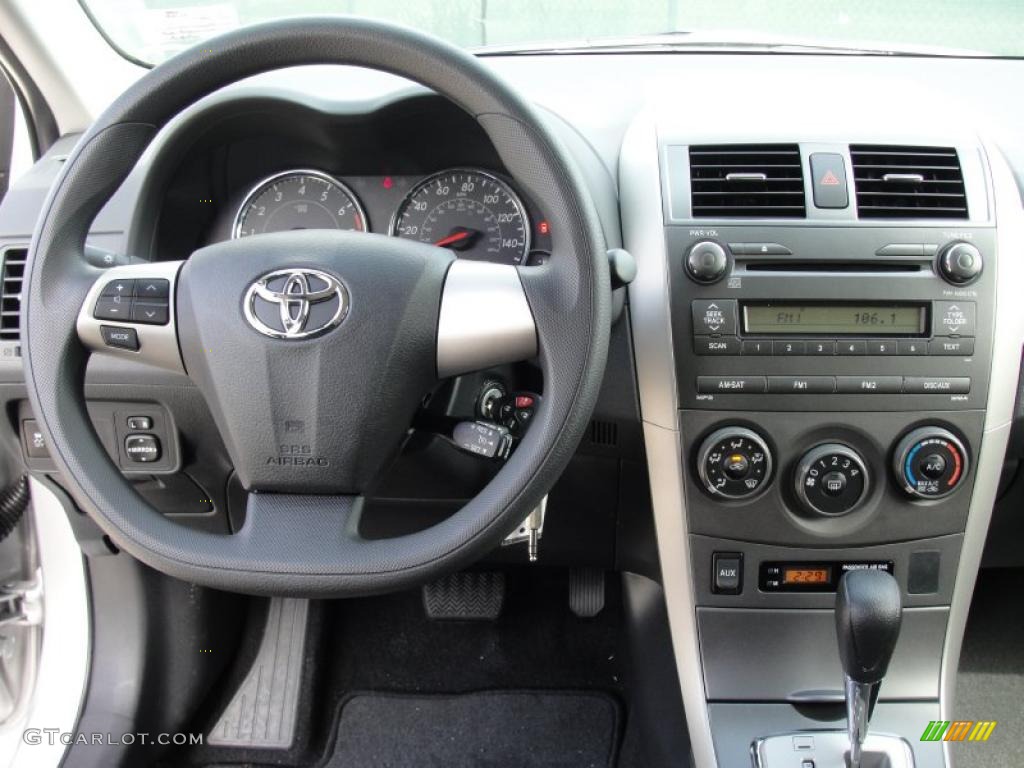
x,y
472,212
298,200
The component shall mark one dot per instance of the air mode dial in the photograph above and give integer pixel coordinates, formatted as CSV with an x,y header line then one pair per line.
x,y
930,463
734,463
831,479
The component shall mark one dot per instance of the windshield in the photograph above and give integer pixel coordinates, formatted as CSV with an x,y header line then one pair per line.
x,y
150,31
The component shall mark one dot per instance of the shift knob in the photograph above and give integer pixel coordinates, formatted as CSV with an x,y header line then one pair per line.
x,y
868,614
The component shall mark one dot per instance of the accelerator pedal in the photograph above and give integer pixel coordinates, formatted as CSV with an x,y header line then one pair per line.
x,y
263,711
586,592
465,596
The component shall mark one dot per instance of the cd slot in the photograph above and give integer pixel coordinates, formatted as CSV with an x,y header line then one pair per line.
x,y
825,267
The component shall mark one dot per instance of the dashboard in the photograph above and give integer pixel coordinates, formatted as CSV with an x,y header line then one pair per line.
x,y
763,348
417,169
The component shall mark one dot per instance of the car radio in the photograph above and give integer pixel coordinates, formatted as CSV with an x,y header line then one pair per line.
x,y
861,318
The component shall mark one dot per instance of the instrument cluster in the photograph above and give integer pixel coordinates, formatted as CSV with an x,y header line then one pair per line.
x,y
475,213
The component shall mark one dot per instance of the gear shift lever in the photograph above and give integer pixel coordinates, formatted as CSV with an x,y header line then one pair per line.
x,y
868,613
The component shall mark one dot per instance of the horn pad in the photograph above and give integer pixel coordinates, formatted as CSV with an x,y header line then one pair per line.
x,y
313,350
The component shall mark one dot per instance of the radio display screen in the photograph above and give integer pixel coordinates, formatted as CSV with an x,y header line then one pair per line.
x,y
835,319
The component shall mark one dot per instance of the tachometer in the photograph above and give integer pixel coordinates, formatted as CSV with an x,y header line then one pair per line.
x,y
472,212
299,200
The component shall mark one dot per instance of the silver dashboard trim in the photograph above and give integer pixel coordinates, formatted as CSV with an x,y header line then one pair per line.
x,y
643,236
1006,356
158,344
484,320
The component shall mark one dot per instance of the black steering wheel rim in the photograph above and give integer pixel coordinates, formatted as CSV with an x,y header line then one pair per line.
x,y
303,544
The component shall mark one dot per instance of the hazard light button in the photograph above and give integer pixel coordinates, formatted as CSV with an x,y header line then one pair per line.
x,y
828,173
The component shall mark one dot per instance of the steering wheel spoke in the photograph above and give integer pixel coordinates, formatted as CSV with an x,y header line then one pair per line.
x,y
485,319
130,312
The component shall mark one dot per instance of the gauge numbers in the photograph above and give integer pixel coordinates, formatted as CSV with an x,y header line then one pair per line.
x,y
298,200
471,212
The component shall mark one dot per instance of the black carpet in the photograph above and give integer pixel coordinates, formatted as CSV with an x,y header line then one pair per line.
x,y
990,682
490,729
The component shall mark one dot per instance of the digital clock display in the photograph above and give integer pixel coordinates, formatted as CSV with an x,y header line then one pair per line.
x,y
835,319
806,575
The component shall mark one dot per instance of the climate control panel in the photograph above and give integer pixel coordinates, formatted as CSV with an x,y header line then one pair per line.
x,y
831,479
930,463
734,463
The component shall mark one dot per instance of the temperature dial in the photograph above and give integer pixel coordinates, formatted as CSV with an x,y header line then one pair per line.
x,y
831,479
930,463
734,463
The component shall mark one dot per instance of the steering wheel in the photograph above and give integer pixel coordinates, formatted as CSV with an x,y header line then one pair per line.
x,y
314,349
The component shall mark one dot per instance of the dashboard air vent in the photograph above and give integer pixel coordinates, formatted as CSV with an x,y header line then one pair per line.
x,y
10,292
747,180
908,182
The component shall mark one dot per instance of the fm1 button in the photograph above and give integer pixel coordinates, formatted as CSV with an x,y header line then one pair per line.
x,y
728,573
142,449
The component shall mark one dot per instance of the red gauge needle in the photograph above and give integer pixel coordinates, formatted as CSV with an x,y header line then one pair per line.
x,y
453,238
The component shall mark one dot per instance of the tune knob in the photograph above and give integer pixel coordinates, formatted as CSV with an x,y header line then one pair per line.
x,y
960,263
706,262
831,479
734,463
930,463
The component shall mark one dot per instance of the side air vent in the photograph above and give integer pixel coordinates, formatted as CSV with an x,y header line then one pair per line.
x,y
747,180
908,182
10,292
605,433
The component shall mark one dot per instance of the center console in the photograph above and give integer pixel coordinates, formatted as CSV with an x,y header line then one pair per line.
x,y
820,339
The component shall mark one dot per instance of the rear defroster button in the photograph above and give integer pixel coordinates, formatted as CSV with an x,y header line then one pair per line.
x,y
142,449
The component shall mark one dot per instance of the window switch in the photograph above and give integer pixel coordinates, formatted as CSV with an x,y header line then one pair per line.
x,y
728,573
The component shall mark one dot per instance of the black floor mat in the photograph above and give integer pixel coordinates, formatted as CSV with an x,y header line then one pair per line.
x,y
990,682
494,729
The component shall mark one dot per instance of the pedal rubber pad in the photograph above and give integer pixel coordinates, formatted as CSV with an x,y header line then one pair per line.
x,y
465,596
586,592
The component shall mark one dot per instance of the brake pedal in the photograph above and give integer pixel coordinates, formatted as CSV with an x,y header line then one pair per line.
x,y
465,596
586,592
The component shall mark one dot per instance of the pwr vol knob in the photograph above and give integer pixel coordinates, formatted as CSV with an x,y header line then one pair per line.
x,y
930,463
734,463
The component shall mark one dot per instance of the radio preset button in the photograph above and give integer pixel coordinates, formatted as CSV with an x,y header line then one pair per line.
x,y
810,385
731,385
714,345
951,346
954,318
754,347
882,347
821,347
714,317
936,385
869,385
912,347
851,347
789,347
